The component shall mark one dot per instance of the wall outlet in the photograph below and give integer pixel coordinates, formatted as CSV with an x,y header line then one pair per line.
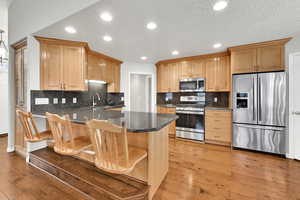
x,y
63,100
122,98
215,99
74,115
74,100
41,101
55,100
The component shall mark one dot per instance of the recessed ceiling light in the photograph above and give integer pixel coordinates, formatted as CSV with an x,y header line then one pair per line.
x,y
220,5
144,58
217,45
151,25
106,16
107,38
70,29
175,52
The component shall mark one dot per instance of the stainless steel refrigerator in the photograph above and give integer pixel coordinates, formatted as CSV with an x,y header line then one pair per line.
x,y
259,112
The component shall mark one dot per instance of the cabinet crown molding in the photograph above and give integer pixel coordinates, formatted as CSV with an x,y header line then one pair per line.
x,y
260,44
190,58
78,44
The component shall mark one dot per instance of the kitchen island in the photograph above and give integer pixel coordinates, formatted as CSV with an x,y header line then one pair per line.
x,y
145,130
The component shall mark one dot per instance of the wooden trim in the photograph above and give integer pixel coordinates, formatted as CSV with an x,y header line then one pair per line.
x,y
260,44
100,55
215,142
61,42
204,56
20,44
77,43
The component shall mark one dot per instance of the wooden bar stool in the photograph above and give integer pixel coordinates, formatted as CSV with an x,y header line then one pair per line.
x,y
31,133
112,152
64,141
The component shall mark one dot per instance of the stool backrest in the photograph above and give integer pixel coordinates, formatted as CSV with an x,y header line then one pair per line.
x,y
110,145
28,124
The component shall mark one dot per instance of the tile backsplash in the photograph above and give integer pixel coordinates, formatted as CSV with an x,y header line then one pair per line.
x,y
41,100
174,98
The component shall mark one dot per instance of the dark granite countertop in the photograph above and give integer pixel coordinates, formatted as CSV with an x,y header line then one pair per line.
x,y
134,121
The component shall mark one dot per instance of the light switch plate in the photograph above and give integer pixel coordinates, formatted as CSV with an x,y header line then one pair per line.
x,y
74,100
41,101
55,100
63,100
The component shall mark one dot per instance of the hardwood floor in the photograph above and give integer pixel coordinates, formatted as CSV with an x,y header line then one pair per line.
x,y
197,172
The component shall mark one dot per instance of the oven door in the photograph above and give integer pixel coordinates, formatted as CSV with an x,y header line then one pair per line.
x,y
190,125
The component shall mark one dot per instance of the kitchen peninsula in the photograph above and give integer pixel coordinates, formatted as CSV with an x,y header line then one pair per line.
x,y
145,130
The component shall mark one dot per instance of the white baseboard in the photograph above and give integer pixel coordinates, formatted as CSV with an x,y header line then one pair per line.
x,y
33,146
290,156
10,148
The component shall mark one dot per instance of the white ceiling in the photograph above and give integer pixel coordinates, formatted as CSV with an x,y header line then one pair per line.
x,y
189,26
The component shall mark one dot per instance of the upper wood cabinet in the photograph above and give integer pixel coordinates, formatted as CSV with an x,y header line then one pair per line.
x,y
243,61
258,57
167,78
114,86
192,69
74,68
270,58
96,68
104,68
218,74
215,68
63,65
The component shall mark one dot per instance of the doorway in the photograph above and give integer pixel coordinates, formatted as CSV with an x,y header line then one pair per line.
x,y
140,92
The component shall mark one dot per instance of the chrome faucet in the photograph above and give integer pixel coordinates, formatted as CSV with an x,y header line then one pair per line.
x,y
94,102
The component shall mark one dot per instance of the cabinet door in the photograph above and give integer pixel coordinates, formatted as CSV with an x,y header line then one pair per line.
x,y
243,61
270,58
96,68
114,86
222,74
74,67
51,67
210,71
165,79
185,69
173,77
198,69
159,77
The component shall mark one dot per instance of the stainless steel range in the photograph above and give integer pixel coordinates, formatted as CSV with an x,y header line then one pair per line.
x,y
190,124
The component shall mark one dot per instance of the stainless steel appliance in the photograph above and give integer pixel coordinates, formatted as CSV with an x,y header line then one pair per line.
x,y
259,112
192,85
190,124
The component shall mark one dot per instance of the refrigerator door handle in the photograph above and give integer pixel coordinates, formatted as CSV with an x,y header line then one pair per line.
x,y
259,99
253,98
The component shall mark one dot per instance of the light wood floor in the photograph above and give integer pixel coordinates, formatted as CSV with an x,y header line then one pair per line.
x,y
197,172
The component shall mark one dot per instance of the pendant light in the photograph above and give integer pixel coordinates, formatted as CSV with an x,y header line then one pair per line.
x,y
3,50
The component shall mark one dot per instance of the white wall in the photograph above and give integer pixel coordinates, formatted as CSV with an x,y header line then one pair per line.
x,y
4,72
141,68
29,16
292,46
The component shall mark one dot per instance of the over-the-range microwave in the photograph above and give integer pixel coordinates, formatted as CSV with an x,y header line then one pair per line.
x,y
192,85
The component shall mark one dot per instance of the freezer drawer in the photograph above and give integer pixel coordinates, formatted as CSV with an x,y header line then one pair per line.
x,y
259,138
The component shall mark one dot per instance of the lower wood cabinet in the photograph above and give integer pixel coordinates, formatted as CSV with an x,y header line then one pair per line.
x,y
166,110
218,127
